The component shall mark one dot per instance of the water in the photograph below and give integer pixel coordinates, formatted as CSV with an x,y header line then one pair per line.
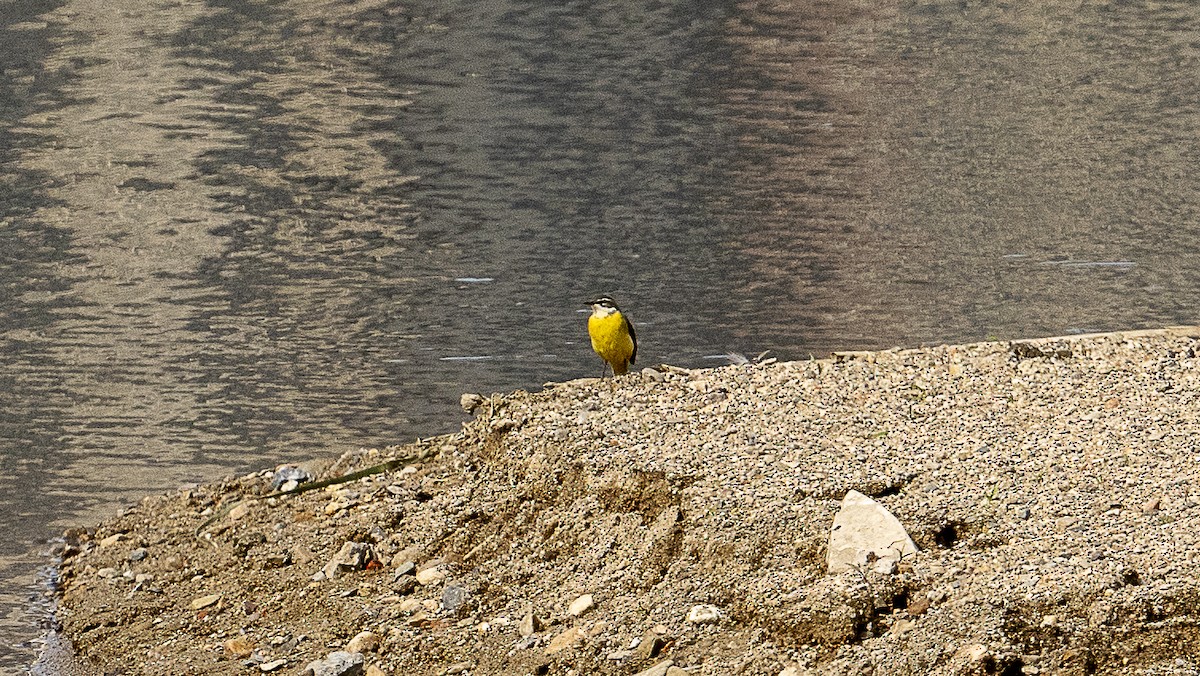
x,y
239,233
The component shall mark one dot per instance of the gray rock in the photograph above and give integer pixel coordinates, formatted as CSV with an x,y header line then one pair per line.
x,y
338,663
454,596
352,556
864,534
138,554
289,473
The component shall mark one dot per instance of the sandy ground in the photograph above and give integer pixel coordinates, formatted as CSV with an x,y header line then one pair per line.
x,y
1050,486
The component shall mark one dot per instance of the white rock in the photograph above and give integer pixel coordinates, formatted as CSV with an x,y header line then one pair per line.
x,y
430,576
580,605
863,528
704,614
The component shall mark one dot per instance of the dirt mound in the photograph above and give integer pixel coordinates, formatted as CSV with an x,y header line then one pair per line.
x,y
682,516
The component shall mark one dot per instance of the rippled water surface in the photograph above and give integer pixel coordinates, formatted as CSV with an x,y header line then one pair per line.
x,y
237,233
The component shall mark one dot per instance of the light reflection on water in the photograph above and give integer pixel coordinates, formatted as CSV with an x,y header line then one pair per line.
x,y
239,234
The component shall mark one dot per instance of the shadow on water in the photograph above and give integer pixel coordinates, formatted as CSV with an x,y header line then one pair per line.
x,y
32,298
238,233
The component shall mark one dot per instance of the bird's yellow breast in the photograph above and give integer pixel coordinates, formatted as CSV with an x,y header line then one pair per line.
x,y
611,340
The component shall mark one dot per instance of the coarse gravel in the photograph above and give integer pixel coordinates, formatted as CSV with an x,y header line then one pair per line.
x,y
1049,484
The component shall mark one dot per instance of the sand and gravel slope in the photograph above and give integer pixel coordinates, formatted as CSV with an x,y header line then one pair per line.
x,y
1051,486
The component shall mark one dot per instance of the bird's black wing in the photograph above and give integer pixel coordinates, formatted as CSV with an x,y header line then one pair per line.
x,y
633,335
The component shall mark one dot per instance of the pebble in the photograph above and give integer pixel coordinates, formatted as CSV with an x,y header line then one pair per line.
x,y
530,624
113,539
618,655
454,596
205,601
580,605
650,645
339,663
430,576
363,642
704,614
273,665
108,573
351,557
240,510
288,477
661,669
567,639
138,554
470,401
238,647
863,529
1063,523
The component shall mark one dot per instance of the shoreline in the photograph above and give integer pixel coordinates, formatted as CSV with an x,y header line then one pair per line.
x,y
1045,482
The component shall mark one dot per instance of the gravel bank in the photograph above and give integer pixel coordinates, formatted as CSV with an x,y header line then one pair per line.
x,y
682,517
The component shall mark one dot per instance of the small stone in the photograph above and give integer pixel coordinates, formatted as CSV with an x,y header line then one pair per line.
x,y
704,614
530,624
660,669
973,652
205,601
113,539
406,568
351,557
271,666
1151,506
470,401
865,534
373,670
339,663
277,560
650,646
899,627
174,563
363,642
580,605
108,573
239,647
430,576
289,474
618,655
458,667
1064,523
565,640
138,554
240,510
454,596
918,605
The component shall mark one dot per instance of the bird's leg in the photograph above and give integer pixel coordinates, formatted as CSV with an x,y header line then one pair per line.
x,y
603,369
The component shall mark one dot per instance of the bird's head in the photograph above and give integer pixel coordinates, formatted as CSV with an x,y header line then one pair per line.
x,y
603,306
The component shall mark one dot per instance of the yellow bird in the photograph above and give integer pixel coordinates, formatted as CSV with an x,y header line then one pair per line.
x,y
613,337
